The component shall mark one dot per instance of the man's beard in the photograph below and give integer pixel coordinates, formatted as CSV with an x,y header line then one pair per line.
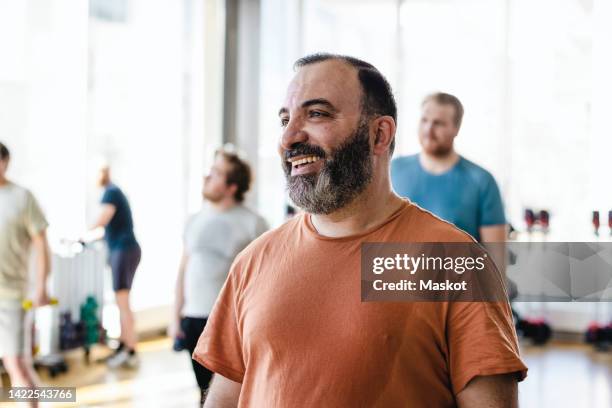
x,y
437,148
345,174
440,151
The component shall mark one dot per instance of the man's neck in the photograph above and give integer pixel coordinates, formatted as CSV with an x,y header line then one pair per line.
x,y
224,204
370,209
438,164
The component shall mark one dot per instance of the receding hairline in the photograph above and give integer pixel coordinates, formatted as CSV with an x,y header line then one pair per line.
x,y
447,99
343,60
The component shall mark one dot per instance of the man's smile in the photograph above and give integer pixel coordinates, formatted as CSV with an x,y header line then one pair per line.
x,y
304,164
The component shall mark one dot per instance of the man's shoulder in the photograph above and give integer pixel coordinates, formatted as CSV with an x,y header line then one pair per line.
x,y
249,213
405,162
111,190
113,195
476,172
18,192
424,226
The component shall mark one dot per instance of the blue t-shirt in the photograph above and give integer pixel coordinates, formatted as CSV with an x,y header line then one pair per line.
x,y
119,233
466,195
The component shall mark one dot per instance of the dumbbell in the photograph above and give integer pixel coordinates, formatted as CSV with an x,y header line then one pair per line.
x,y
598,335
28,304
536,330
544,220
529,219
595,221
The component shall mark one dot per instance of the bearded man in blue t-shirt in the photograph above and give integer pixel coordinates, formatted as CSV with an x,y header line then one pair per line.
x,y
445,183
116,225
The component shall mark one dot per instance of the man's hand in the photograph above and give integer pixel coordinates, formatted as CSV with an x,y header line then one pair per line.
x,y
491,391
223,393
41,298
174,329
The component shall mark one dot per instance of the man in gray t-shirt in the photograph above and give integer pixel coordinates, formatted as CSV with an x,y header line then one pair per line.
x,y
22,225
212,239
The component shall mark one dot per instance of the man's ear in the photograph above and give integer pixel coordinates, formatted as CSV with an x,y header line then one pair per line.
x,y
232,189
383,128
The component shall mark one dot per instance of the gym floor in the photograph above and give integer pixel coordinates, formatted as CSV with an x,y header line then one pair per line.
x,y
560,375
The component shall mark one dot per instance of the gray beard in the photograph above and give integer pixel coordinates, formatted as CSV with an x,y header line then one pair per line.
x,y
343,177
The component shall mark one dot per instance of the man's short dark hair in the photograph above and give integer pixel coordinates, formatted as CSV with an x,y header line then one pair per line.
x,y
378,99
4,152
442,98
239,173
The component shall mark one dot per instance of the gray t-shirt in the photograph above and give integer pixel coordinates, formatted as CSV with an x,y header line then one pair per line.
x,y
212,240
20,219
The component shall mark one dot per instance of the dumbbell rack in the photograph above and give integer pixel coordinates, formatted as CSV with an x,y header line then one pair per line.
x,y
76,274
599,332
535,326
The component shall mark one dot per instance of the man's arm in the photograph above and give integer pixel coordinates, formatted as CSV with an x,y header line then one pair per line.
x,y
179,301
495,234
96,232
43,267
492,391
223,393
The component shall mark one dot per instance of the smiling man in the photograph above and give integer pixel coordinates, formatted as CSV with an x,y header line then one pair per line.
x,y
289,328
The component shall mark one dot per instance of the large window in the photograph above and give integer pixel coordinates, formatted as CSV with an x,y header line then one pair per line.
x,y
133,81
536,99
530,94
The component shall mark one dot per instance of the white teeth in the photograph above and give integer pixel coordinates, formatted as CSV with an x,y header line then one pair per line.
x,y
310,159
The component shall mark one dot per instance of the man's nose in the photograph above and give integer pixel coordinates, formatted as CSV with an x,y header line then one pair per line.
x,y
293,133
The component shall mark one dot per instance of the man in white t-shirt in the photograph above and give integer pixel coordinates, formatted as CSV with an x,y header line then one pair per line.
x,y
212,239
22,225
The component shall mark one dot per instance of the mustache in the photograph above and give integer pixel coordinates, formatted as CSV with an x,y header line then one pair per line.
x,y
302,149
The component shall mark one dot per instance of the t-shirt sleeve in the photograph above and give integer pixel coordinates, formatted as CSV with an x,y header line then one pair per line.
x,y
34,218
110,196
481,341
491,211
219,347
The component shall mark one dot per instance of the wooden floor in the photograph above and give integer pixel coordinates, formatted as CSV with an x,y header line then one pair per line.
x,y
566,375
560,375
163,379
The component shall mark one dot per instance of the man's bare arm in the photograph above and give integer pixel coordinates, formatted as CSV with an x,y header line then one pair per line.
x,y
491,391
96,232
496,234
179,301
223,393
43,267
493,233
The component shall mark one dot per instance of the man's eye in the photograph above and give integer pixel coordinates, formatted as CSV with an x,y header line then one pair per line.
x,y
284,121
318,114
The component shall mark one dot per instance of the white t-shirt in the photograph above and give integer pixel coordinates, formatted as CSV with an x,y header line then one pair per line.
x,y
20,219
212,240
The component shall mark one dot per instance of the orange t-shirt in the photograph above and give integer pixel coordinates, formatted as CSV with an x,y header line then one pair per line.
x,y
290,326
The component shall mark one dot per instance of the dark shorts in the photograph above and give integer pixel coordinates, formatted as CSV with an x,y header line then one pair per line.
x,y
123,263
